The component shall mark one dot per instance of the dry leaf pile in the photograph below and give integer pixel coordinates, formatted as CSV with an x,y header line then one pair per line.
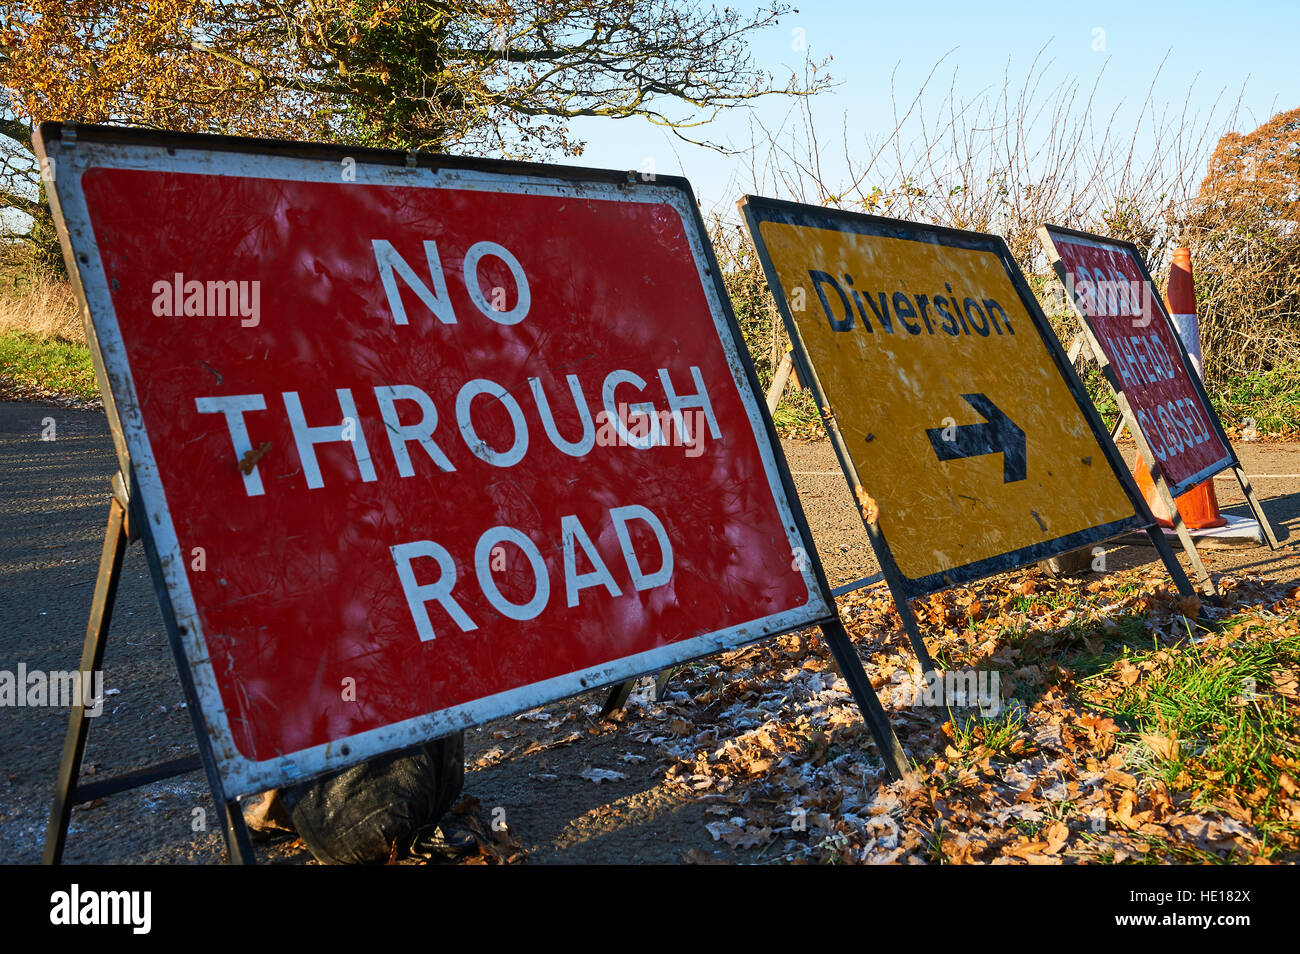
x,y
769,740
770,737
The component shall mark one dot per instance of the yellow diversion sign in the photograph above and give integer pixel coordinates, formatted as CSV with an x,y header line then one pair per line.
x,y
967,439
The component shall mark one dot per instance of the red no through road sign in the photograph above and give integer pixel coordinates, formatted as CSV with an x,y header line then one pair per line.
x,y
421,447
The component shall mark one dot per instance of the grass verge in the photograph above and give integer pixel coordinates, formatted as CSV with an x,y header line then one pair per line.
x,y
1215,717
51,364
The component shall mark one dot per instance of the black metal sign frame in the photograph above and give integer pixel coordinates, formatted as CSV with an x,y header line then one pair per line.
x,y
54,142
1166,490
756,210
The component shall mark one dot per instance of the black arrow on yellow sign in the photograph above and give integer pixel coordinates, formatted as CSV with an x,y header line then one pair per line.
x,y
997,436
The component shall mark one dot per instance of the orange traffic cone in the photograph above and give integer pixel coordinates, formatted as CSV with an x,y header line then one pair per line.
x,y
1199,507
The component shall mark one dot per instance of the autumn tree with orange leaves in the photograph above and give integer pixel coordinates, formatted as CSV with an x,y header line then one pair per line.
x,y
500,77
1244,233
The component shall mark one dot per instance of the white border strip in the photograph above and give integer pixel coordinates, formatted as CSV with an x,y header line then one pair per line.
x,y
1224,461
239,774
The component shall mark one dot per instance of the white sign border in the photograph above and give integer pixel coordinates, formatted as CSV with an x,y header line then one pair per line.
x,y
239,774
1228,458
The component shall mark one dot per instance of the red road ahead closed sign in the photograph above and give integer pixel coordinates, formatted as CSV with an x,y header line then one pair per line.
x,y
423,447
1114,295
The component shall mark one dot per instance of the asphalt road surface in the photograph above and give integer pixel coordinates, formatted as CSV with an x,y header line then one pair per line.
x,y
55,504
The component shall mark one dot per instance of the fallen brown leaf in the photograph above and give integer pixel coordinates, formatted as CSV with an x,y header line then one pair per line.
x,y
1057,835
1164,746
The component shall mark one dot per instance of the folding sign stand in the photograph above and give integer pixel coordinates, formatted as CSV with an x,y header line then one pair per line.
x,y
265,635
69,791
887,364
779,382
1049,236
1127,421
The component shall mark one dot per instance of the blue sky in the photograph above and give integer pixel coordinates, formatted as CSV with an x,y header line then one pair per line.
x,y
1218,51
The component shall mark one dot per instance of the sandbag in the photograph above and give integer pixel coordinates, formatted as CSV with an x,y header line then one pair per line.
x,y
357,815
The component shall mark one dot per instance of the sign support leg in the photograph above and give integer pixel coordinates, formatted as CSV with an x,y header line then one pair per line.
x,y
850,667
239,844
1249,493
67,792
1076,346
1127,418
779,381
913,630
1189,547
92,656
1185,538
617,698
1175,568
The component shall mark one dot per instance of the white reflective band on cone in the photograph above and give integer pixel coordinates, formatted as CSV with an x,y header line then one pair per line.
x,y
1190,332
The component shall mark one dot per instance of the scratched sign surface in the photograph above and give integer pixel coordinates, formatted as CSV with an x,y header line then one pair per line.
x,y
498,444
1113,293
965,437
